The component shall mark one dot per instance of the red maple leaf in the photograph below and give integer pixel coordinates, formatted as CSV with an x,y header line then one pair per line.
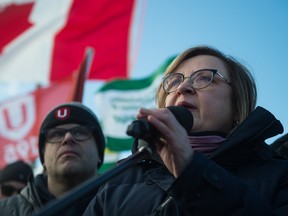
x,y
13,22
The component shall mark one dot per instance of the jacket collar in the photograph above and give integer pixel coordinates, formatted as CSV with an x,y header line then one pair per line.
x,y
249,137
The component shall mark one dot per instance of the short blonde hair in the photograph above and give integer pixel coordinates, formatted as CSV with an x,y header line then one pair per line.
x,y
242,82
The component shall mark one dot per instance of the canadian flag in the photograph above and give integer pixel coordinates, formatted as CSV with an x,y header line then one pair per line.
x,y
44,40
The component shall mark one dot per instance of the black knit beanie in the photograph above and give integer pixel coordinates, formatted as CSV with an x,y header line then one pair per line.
x,y
17,171
73,112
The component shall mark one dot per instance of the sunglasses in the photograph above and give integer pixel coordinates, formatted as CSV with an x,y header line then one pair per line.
x,y
8,190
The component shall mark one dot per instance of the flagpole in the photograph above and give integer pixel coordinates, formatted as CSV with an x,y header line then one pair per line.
x,y
80,76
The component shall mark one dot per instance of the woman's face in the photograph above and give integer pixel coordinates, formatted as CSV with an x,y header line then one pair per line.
x,y
211,106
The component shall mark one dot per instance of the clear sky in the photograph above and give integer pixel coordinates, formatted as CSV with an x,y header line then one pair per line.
x,y
254,32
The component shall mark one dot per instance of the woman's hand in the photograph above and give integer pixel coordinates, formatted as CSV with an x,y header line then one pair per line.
x,y
173,146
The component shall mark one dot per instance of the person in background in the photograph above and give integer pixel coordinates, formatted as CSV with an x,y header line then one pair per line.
x,y
280,147
13,178
71,149
222,166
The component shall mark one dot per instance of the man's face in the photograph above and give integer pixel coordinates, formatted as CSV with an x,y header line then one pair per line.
x,y
71,158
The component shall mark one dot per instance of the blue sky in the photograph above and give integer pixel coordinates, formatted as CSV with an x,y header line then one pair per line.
x,y
254,32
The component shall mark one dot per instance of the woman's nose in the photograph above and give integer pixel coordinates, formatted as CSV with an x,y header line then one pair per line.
x,y
185,87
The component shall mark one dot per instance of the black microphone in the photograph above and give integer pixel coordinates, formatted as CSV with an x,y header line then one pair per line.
x,y
142,129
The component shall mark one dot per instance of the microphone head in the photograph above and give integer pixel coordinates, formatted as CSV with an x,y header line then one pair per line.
x,y
142,129
183,116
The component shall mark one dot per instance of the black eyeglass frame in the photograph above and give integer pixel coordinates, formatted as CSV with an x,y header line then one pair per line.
x,y
214,72
91,130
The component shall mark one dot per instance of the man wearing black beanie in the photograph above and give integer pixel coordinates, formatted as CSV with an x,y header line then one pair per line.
x,y
13,178
71,149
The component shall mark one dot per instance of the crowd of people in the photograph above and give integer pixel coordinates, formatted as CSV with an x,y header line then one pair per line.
x,y
221,166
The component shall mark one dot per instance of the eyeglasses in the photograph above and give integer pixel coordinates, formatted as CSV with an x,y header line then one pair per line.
x,y
8,190
79,133
199,79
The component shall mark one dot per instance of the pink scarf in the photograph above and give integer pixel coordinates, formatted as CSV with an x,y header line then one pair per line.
x,y
206,144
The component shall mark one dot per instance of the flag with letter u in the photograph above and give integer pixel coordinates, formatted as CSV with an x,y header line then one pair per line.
x,y
21,117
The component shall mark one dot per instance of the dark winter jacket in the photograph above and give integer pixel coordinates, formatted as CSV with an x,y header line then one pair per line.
x,y
280,147
241,179
33,197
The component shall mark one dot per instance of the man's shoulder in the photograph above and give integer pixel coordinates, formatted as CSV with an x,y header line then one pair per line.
x,y
21,204
15,205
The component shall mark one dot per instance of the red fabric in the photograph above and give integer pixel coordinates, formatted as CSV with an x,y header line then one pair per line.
x,y
20,118
18,16
103,25
19,140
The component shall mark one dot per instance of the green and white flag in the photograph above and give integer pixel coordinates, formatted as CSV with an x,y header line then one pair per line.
x,y
119,101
